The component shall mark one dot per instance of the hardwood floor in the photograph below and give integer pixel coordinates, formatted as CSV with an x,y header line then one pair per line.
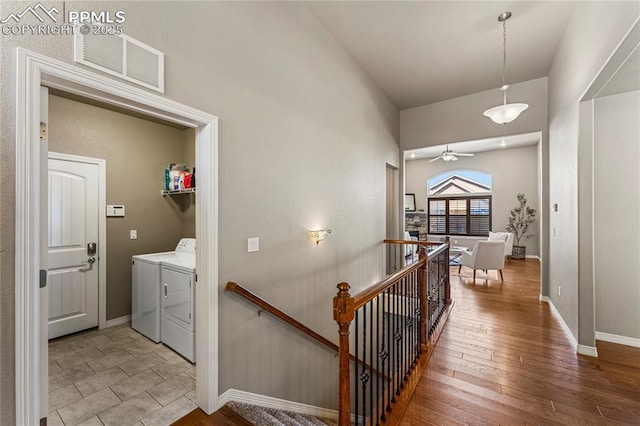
x,y
503,359
223,417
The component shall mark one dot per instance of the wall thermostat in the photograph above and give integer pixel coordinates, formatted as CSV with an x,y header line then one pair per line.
x,y
115,210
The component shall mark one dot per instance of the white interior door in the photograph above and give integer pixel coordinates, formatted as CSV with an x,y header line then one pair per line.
x,y
72,264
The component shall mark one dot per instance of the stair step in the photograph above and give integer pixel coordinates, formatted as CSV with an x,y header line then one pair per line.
x,y
255,415
261,416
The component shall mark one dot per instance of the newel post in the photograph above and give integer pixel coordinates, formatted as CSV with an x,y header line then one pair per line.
x,y
422,281
343,314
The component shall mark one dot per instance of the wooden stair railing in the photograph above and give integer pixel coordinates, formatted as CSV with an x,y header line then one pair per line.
x,y
268,307
397,322
249,295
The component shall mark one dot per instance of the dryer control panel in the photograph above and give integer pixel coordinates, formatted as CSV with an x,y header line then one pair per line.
x,y
187,245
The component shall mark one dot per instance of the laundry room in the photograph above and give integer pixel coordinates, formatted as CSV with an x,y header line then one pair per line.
x,y
139,217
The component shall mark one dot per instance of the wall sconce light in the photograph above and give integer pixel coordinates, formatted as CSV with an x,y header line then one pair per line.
x,y
319,235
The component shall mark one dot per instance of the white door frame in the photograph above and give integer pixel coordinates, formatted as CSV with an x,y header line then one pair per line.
x,y
34,70
102,226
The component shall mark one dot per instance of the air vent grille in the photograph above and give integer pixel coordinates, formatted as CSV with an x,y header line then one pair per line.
x,y
122,56
142,64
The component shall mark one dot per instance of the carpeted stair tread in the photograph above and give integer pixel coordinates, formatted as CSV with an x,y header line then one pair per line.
x,y
255,415
315,421
283,416
261,416
303,421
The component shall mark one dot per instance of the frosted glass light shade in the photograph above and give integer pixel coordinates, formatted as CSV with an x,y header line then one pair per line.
x,y
503,114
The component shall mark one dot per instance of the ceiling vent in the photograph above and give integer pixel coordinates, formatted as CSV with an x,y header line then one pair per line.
x,y
119,55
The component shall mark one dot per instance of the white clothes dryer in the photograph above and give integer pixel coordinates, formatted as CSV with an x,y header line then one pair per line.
x,y
163,297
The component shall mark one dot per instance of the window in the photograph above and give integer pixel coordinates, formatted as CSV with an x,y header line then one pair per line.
x,y
460,215
459,203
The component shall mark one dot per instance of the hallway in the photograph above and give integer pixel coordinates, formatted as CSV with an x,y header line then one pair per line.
x,y
503,359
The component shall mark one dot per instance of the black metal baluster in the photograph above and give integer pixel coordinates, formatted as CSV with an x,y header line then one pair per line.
x,y
364,375
419,311
411,315
393,376
378,378
355,377
405,322
416,315
389,330
398,337
371,349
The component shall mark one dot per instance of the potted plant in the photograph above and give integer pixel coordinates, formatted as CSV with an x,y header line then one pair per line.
x,y
519,220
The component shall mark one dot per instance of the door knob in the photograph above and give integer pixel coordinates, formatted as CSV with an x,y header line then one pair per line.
x,y
90,260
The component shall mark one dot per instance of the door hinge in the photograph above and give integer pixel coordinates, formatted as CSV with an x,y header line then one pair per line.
x,y
43,130
43,278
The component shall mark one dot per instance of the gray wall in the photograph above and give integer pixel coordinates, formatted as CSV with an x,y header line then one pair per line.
x,y
617,209
136,152
304,139
591,37
460,119
514,170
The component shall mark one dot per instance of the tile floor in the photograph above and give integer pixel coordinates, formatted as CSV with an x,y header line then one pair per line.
x,y
116,376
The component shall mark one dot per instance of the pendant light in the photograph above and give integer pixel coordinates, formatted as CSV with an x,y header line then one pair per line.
x,y
505,113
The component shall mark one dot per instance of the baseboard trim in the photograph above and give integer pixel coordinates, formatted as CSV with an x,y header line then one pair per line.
x,y
275,403
621,340
118,321
563,325
588,350
532,256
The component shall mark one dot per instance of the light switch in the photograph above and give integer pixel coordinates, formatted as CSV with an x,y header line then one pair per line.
x,y
133,234
253,244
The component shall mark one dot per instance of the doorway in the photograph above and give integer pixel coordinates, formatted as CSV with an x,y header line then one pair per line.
x,y
34,71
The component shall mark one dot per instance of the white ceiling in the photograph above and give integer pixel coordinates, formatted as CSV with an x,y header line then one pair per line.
x,y
420,52
480,145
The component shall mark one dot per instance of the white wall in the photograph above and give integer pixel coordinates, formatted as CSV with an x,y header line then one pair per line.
x,y
305,136
514,170
617,209
591,37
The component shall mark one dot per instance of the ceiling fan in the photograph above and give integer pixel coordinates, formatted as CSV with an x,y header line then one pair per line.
x,y
448,155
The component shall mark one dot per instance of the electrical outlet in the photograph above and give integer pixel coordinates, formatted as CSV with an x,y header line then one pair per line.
x,y
133,234
559,290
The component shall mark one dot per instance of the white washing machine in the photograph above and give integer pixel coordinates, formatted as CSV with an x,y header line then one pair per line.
x,y
163,297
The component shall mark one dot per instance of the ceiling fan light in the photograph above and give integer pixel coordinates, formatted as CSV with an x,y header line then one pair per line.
x,y
503,114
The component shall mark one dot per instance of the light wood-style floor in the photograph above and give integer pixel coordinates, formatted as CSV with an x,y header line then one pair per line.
x,y
503,359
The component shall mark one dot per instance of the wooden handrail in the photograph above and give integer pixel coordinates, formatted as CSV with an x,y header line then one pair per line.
x,y
411,242
247,294
370,293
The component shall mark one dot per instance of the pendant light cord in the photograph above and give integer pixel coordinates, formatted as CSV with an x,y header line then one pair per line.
x,y
504,60
504,51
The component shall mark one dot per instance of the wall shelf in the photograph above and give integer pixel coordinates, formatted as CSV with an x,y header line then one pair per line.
x,y
166,192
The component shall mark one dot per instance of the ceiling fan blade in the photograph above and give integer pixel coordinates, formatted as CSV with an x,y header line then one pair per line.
x,y
437,158
454,158
459,154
